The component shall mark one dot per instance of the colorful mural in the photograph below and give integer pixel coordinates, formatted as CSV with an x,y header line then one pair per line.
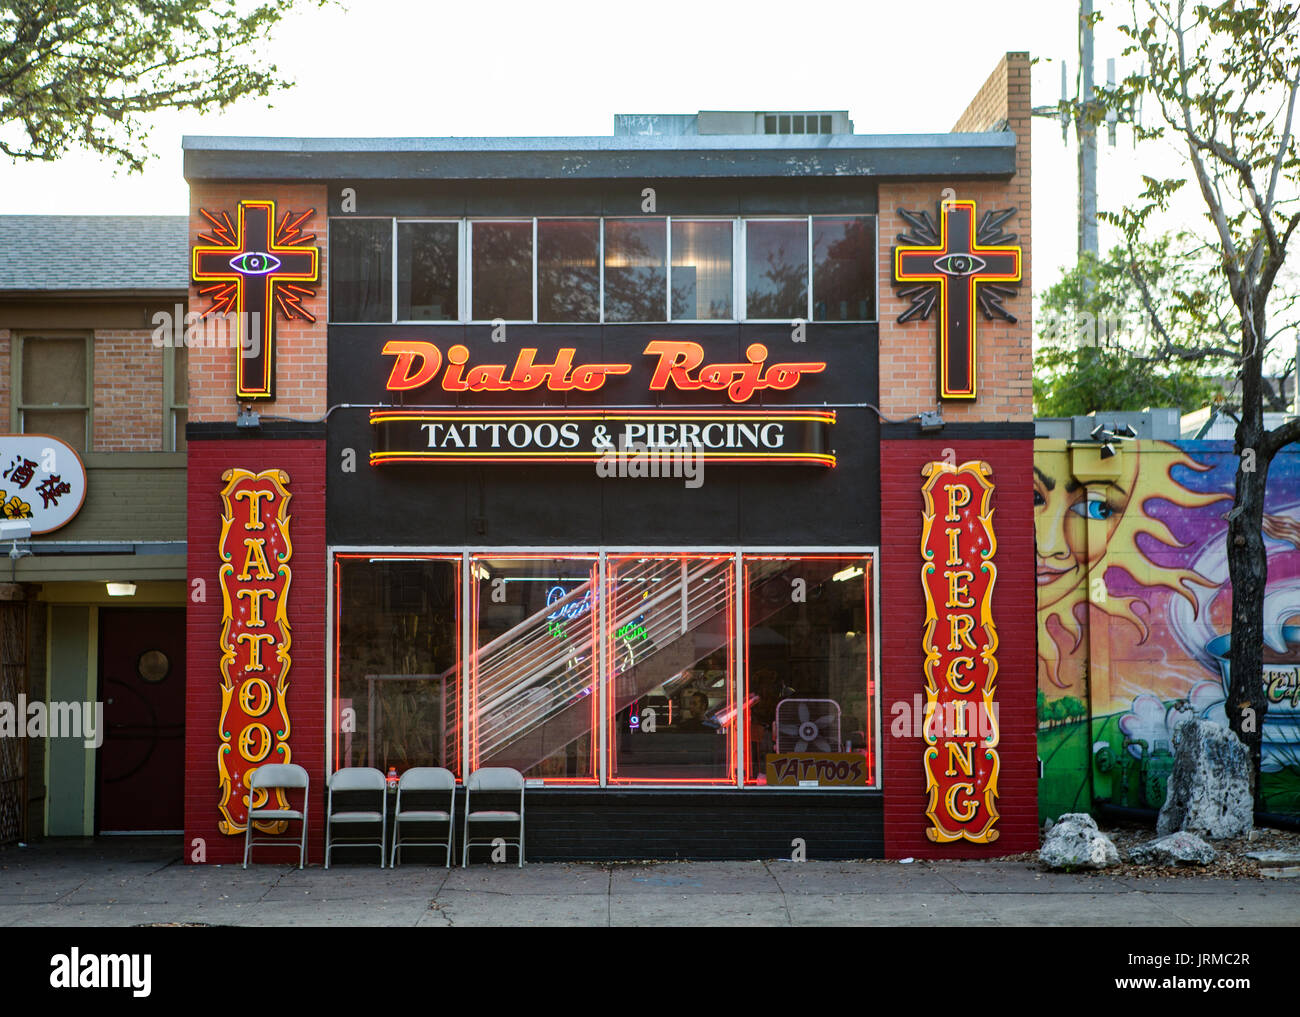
x,y
1134,611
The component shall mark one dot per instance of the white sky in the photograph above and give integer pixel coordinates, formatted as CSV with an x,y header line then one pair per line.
x,y
503,67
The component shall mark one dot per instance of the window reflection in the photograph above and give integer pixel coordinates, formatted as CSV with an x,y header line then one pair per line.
x,y
428,271
672,699
635,272
397,681
533,676
776,268
361,269
503,270
701,270
808,661
843,265
568,270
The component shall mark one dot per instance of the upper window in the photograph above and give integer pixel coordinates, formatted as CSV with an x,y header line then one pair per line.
x,y
636,279
776,265
502,270
361,269
702,282
52,390
176,400
844,287
428,271
568,270
616,270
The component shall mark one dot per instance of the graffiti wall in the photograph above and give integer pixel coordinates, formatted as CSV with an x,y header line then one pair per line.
x,y
1134,611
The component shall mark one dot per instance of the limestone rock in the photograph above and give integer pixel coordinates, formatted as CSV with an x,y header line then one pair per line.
x,y
1074,842
1209,789
1179,848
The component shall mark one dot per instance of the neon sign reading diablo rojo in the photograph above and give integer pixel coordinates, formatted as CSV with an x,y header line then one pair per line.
x,y
680,365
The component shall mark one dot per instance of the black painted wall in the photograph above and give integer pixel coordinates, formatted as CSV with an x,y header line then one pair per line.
x,y
569,505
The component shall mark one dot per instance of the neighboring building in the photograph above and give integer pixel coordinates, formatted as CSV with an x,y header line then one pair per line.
x,y
422,542
1134,605
79,369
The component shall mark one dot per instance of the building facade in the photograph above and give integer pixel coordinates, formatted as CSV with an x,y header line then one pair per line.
x,y
687,471
92,685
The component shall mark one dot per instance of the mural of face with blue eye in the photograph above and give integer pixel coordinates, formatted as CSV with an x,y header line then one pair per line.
x,y
1073,523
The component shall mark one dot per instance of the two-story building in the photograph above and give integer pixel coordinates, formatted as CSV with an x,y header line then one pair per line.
x,y
687,471
94,391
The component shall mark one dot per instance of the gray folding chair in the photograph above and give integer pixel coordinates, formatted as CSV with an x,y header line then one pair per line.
x,y
350,780
498,780
414,781
271,778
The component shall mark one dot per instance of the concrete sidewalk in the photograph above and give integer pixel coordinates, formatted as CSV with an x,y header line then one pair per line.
x,y
141,881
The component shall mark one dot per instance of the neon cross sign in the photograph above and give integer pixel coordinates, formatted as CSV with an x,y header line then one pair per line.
x,y
957,266
254,270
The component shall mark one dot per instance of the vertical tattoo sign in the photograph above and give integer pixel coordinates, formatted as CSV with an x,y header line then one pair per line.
x,y
254,550
960,643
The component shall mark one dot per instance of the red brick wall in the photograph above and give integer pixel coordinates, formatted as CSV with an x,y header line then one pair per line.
x,y
304,461
300,344
908,352
902,675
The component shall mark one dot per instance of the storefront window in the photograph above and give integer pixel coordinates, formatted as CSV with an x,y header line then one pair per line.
x,y
533,677
668,648
776,268
636,283
396,676
701,270
808,652
428,271
568,270
502,280
671,696
844,266
361,270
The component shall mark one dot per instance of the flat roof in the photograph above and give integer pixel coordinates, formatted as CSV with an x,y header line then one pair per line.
x,y
982,154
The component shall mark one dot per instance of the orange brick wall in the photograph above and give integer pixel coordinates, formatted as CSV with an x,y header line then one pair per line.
x,y
300,345
908,352
128,384
127,377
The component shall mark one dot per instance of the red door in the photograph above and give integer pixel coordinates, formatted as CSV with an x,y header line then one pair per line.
x,y
142,687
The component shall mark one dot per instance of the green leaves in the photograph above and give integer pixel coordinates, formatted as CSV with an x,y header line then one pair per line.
x,y
86,74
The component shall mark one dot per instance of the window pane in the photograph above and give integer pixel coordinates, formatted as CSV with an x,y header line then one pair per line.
x,y
568,272
503,270
534,676
397,638
776,269
809,667
635,283
180,376
844,264
427,271
70,425
701,270
54,372
179,419
672,700
361,270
